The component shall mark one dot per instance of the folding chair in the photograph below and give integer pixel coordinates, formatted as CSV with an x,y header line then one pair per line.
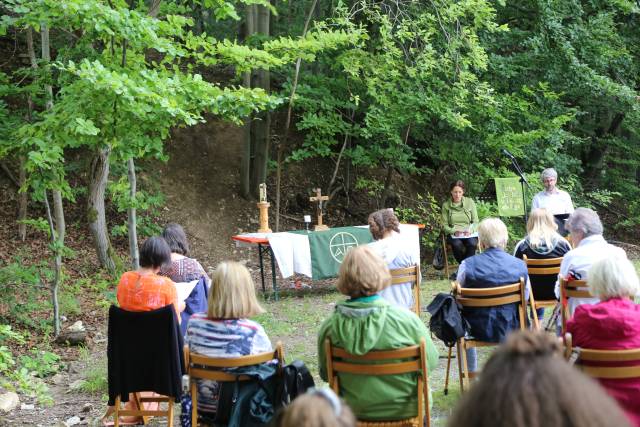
x,y
135,339
394,362
446,252
211,368
485,298
607,364
536,268
571,289
411,274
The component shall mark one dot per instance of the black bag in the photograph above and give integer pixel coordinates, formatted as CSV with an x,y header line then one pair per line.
x,y
438,258
296,380
447,323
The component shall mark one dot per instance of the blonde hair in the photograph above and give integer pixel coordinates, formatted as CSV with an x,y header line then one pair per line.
x,y
541,229
232,294
613,276
316,410
363,273
492,233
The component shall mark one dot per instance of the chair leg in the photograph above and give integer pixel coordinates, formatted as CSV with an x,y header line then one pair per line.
x,y
446,377
460,351
194,404
170,413
465,367
116,412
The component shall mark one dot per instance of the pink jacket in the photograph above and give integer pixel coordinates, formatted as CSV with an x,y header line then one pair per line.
x,y
612,325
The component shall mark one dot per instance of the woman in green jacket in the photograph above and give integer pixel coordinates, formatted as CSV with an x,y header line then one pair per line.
x,y
367,322
459,221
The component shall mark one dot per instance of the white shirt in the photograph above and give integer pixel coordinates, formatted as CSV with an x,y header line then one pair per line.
x,y
579,260
396,254
556,202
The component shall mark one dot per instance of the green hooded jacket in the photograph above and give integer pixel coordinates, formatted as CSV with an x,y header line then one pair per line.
x,y
371,323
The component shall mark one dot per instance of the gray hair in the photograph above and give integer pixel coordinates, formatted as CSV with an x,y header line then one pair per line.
x,y
613,276
586,221
492,233
548,173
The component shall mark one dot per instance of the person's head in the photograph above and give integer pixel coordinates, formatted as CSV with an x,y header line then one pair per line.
x,y
613,277
541,228
176,238
457,191
549,178
317,408
154,253
492,233
382,223
233,294
528,383
362,273
582,223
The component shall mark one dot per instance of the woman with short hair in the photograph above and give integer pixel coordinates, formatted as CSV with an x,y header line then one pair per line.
x,y
316,408
490,269
526,382
367,322
225,329
613,323
385,228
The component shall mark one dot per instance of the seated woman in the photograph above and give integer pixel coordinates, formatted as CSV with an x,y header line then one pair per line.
x,y
528,383
183,269
225,329
384,227
145,290
542,242
490,269
613,323
367,322
316,408
459,220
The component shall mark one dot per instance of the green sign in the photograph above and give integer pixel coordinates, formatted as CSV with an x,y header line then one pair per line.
x,y
328,248
509,194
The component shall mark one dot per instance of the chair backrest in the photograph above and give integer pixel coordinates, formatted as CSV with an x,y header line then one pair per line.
x,y
383,362
210,368
492,297
542,267
409,275
571,289
608,364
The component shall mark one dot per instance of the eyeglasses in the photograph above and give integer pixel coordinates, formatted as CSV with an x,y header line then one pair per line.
x,y
330,396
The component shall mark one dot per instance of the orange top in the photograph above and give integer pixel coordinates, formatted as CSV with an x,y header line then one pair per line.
x,y
146,292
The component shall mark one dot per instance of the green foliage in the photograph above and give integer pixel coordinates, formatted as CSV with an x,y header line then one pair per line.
x,y
42,364
424,210
147,205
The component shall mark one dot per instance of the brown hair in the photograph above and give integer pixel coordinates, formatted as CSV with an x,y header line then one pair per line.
x,y
314,410
528,383
232,294
363,273
458,183
176,238
381,221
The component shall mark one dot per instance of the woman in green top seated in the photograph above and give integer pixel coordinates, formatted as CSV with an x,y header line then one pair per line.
x,y
367,322
460,220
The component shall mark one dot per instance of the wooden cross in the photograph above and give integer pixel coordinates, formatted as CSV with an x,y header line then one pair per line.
x,y
319,198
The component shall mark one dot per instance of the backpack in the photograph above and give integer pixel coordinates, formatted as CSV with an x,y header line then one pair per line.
x,y
446,322
296,380
438,258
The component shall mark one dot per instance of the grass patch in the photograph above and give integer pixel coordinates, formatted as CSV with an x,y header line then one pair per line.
x,y
94,377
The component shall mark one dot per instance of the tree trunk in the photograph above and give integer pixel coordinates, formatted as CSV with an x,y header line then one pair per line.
x,y
23,200
247,155
262,134
98,176
131,217
57,245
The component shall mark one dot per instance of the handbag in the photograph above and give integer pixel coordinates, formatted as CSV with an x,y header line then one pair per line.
x,y
438,258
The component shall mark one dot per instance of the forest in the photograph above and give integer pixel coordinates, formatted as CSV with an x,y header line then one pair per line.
x,y
379,103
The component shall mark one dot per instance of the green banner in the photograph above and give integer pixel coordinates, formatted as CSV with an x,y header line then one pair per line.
x,y
509,195
329,247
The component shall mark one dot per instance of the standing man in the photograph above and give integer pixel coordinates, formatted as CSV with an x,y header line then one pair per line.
x,y
554,200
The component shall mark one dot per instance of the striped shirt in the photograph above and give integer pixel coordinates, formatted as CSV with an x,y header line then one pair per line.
x,y
222,338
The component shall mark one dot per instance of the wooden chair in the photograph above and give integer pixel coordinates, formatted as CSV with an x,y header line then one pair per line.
x,y
606,364
541,267
394,362
446,252
485,298
146,415
409,275
571,289
210,368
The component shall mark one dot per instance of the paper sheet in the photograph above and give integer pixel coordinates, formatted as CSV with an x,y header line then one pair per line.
x,y
184,289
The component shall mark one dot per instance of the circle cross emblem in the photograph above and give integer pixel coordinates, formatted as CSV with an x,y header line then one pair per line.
x,y
340,244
